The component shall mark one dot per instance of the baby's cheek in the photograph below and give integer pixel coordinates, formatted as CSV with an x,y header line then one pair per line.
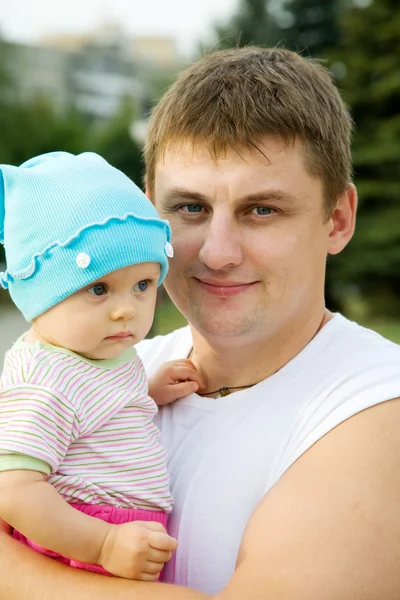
x,y
81,332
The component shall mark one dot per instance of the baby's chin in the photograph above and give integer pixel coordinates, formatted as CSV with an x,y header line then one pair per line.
x,y
110,351
100,355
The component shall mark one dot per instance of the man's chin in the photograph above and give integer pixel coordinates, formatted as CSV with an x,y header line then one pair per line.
x,y
223,325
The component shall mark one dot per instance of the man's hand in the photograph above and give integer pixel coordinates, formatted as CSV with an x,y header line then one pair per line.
x,y
137,550
174,380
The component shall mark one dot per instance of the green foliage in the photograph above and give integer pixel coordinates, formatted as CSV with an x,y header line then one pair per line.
x,y
305,25
113,141
252,24
360,40
35,127
312,25
368,58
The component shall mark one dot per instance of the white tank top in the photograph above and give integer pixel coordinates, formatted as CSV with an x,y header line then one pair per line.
x,y
225,454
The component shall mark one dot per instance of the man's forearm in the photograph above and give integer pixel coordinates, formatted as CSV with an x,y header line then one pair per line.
x,y
34,508
26,575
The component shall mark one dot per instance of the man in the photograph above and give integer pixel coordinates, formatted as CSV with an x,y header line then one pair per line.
x,y
285,469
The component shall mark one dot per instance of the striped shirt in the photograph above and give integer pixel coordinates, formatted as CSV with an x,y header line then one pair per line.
x,y
88,425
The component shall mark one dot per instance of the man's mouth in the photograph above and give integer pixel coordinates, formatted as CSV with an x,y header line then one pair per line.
x,y
224,288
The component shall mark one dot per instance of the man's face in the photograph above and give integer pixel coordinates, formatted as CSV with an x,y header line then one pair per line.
x,y
250,236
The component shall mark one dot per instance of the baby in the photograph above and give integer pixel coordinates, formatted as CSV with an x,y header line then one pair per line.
x,y
83,475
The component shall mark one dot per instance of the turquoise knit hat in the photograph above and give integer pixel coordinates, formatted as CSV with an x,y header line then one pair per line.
x,y
66,221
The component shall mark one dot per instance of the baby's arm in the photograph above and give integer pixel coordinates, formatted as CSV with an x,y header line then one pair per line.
x,y
174,380
136,550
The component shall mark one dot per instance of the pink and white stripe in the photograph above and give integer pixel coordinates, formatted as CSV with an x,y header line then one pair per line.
x,y
92,425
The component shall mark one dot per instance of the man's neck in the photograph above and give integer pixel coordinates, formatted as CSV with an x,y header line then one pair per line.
x,y
229,362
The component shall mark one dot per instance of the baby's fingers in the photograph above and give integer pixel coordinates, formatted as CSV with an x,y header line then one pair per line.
x,y
162,541
180,390
152,568
183,373
182,362
154,525
158,556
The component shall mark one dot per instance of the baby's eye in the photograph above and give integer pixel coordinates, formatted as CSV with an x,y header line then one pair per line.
x,y
141,286
98,290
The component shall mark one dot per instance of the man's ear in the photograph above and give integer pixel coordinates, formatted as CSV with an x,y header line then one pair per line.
x,y
343,220
146,186
147,191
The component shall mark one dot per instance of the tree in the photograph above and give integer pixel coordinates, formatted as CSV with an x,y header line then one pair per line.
x,y
113,141
312,25
252,24
305,25
36,127
366,64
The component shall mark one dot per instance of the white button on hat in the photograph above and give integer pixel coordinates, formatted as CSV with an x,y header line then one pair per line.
x,y
83,260
169,251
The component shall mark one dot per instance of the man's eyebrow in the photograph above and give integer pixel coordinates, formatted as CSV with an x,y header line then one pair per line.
x,y
179,193
186,195
269,196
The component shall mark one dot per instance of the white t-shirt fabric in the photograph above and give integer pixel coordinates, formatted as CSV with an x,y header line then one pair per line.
x,y
225,454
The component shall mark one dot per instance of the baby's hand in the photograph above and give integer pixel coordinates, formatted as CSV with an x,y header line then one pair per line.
x,y
174,380
137,550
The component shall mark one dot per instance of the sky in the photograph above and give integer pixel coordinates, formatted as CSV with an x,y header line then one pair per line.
x,y
189,21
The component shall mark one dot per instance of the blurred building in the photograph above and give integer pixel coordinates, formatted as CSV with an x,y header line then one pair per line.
x,y
157,51
95,71
37,71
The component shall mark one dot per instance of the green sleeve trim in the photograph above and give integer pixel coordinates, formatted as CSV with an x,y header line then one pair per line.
x,y
15,462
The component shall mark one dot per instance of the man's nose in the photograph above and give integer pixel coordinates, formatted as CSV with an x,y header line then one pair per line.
x,y
221,247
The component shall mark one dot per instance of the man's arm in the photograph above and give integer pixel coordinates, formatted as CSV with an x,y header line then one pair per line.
x,y
27,575
136,550
330,528
35,508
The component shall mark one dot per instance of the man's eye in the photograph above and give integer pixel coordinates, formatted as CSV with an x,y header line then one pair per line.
x,y
192,208
98,290
262,210
141,286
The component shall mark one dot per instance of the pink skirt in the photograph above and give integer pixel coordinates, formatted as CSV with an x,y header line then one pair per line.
x,y
110,514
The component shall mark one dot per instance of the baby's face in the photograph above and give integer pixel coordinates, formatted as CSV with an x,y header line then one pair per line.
x,y
105,318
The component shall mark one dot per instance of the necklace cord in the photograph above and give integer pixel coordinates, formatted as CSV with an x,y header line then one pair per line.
x,y
225,391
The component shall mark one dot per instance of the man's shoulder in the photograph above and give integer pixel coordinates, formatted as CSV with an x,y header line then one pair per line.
x,y
162,348
350,369
355,367
348,339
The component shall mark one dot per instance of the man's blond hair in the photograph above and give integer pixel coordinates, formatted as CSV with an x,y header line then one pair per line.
x,y
232,98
